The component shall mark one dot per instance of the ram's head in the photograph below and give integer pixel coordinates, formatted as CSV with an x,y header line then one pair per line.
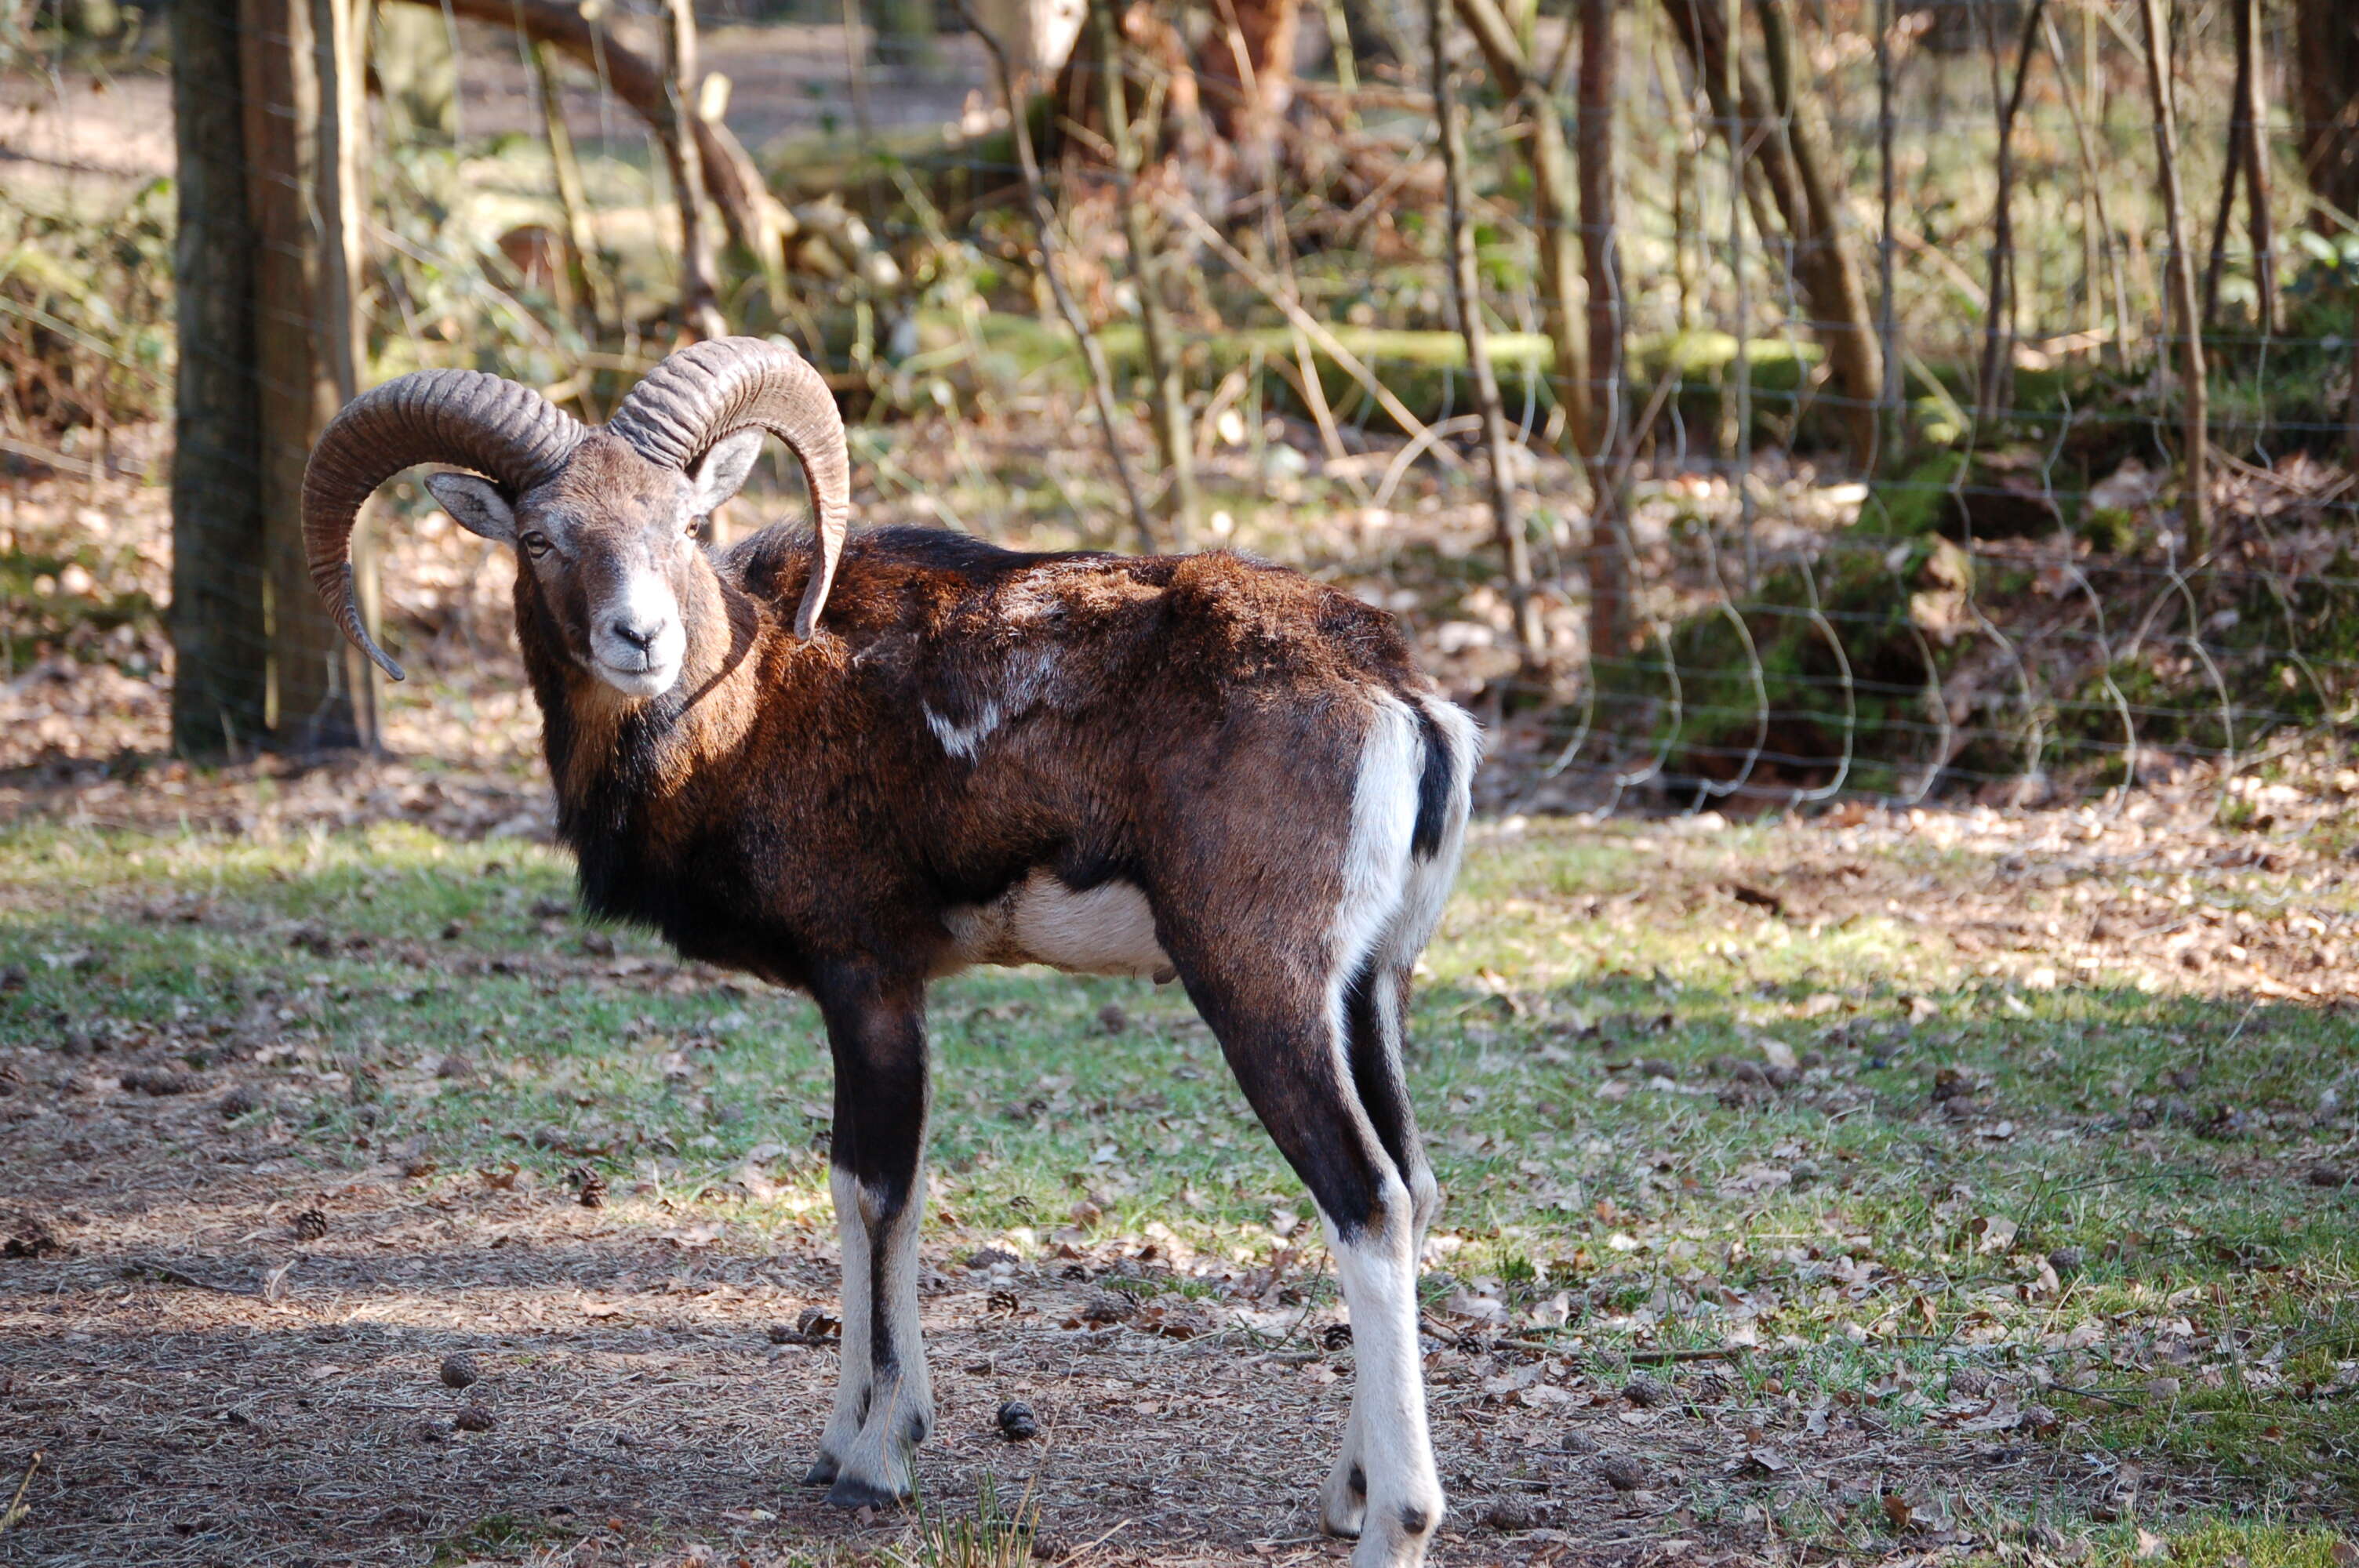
x,y
603,520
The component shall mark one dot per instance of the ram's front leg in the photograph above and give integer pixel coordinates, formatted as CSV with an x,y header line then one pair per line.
x,y
883,1403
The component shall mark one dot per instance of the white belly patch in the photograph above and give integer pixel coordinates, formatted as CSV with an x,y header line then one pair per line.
x,y
1109,930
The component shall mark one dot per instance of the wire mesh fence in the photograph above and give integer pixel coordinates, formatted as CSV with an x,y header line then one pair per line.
x,y
1842,403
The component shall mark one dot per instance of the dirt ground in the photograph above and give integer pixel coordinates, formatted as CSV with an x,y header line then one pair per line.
x,y
208,1385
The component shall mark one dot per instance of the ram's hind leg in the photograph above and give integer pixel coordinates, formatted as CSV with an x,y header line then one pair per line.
x,y
1279,1036
884,1400
1374,1007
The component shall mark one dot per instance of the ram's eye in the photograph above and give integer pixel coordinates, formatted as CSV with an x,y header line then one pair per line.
x,y
535,544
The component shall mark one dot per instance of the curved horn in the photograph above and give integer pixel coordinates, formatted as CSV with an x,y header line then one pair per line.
x,y
459,416
709,391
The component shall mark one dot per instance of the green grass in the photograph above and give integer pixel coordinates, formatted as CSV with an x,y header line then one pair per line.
x,y
2222,1542
2175,1290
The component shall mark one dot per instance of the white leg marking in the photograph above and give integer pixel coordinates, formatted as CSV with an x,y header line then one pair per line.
x,y
900,1400
1404,1504
1343,1500
852,1372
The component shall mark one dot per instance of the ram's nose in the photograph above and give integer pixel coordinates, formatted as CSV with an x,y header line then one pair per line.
x,y
640,632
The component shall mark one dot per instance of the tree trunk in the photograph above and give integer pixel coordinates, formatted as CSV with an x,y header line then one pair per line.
x,y
1995,385
1556,213
2252,108
1246,72
2326,57
699,312
2092,185
1167,390
1044,219
220,681
1789,150
1608,553
300,80
2231,173
2193,388
1887,312
1466,290
1153,64
585,271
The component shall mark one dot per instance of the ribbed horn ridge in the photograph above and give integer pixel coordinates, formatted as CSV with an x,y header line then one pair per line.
x,y
463,417
709,391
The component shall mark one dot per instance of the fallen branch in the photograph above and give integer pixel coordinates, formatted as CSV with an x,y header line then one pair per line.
x,y
1634,1358
60,461
165,1274
14,1514
1277,294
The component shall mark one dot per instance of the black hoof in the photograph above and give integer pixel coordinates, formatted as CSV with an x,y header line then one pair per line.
x,y
821,1473
850,1492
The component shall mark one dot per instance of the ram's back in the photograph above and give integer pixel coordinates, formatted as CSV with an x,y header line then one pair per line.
x,y
965,626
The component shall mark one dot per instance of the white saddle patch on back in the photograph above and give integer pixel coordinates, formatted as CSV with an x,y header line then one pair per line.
x,y
1108,930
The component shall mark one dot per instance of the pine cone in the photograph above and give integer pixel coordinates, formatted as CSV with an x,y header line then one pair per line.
x,y
1649,1393
1623,1472
591,1187
459,1369
1105,1307
310,1225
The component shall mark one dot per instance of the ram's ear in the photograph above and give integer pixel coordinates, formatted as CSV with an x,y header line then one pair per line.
x,y
475,504
721,472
